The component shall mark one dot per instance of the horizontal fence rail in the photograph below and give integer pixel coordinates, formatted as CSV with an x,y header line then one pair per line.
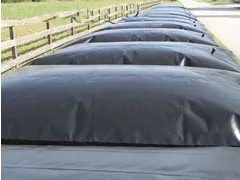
x,y
92,18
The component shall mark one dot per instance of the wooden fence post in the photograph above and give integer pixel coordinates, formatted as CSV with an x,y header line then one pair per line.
x,y
105,14
127,10
122,11
12,36
116,11
49,37
91,13
87,17
72,28
87,14
99,13
109,12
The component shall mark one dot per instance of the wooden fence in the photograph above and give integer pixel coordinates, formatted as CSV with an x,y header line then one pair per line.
x,y
98,16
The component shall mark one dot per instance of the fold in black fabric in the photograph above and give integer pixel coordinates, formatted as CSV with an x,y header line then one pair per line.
x,y
151,24
142,53
164,19
146,34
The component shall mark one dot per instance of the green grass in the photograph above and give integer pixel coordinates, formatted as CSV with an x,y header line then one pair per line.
x,y
31,9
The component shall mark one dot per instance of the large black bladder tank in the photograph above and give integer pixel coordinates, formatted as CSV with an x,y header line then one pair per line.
x,y
152,97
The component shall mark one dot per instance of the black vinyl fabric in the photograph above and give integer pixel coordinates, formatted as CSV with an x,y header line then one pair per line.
x,y
146,34
174,6
121,115
162,9
166,13
170,19
155,24
179,12
136,105
168,16
143,53
119,163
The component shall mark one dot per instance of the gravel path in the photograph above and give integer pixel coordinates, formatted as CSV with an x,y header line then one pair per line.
x,y
222,20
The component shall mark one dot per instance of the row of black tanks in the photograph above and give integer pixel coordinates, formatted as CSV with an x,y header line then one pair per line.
x,y
152,97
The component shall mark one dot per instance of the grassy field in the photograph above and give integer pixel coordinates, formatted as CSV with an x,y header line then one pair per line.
x,y
31,9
